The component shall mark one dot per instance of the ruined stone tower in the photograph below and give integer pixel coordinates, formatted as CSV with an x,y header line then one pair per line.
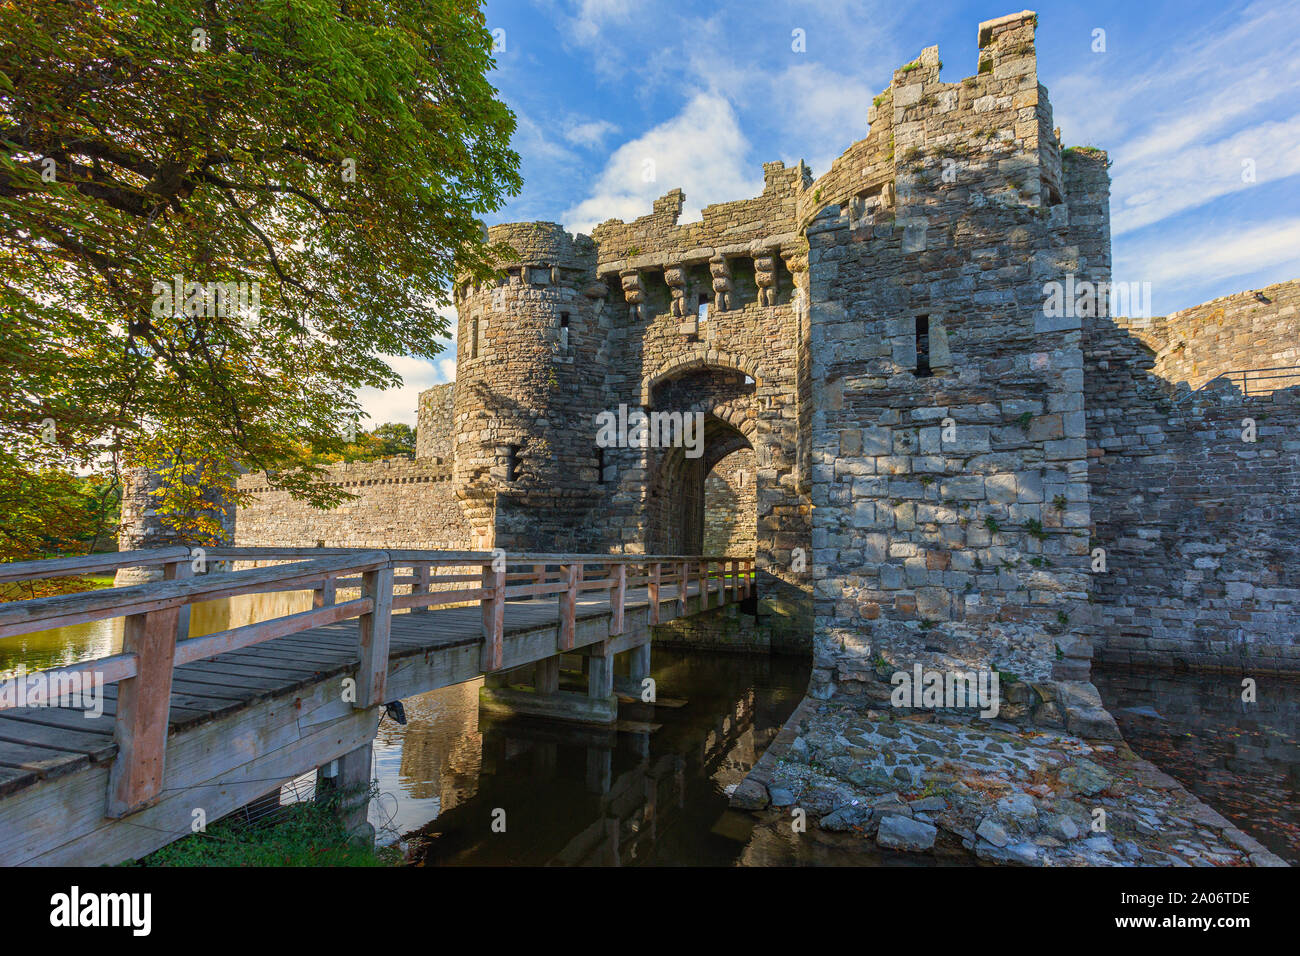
x,y
529,382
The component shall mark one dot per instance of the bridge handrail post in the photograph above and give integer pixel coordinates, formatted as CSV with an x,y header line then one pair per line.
x,y
618,598
683,582
704,585
373,629
143,709
423,583
569,604
652,590
493,604
179,571
325,593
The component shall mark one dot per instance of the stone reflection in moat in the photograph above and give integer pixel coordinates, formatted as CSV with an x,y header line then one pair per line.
x,y
654,789
1241,758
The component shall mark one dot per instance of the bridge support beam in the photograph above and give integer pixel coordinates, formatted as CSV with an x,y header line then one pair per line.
x,y
545,699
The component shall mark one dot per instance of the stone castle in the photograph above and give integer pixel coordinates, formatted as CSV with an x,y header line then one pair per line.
x,y
928,462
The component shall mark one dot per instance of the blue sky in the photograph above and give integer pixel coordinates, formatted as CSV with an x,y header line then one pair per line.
x,y
1186,97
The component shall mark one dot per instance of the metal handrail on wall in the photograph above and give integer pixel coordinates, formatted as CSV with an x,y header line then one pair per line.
x,y
1242,379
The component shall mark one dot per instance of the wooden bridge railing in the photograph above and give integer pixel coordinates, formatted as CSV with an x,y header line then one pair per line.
x,y
156,632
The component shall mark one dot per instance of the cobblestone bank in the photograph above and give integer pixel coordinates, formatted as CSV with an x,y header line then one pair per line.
x,y
933,782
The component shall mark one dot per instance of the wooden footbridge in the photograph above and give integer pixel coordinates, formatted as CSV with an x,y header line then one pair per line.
x,y
193,728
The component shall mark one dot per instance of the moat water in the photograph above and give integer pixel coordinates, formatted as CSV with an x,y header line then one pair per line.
x,y
655,790
1241,758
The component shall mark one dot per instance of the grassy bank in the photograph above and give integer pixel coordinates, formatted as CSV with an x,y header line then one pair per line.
x,y
300,834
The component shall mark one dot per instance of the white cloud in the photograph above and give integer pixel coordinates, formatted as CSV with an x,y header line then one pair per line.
x,y
590,134
400,404
1177,130
1208,256
592,16
701,150
534,144
1149,191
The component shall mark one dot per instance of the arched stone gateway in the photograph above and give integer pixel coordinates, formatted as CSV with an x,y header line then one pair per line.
x,y
677,498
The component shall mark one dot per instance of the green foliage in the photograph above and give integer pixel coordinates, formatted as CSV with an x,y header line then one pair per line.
x,y
333,158
1035,528
390,440
49,512
992,524
302,834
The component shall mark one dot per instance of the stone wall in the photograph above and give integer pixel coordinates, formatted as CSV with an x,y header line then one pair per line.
x,y
435,423
142,527
1200,529
1256,329
729,502
399,504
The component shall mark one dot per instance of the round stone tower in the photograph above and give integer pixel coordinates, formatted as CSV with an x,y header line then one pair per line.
x,y
531,361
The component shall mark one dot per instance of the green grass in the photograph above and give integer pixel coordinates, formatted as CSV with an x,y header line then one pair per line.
x,y
303,834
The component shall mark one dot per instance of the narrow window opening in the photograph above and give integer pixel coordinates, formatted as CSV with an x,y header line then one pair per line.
x,y
512,463
564,330
923,346
473,338
600,464
702,312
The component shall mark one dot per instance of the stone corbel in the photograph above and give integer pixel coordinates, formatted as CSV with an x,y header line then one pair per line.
x,y
765,277
633,292
797,264
675,277
720,269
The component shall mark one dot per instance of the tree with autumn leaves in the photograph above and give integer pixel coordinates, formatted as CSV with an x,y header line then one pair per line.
x,y
217,217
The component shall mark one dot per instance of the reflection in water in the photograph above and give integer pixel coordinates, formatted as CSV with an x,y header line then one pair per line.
x,y
654,791
1242,759
80,642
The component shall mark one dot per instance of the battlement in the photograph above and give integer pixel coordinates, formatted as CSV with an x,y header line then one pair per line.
x,y
739,227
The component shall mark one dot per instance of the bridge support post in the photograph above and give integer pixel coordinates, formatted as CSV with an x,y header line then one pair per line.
x,y
180,571
324,594
618,599
494,611
143,705
600,671
569,604
639,663
546,675
347,780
